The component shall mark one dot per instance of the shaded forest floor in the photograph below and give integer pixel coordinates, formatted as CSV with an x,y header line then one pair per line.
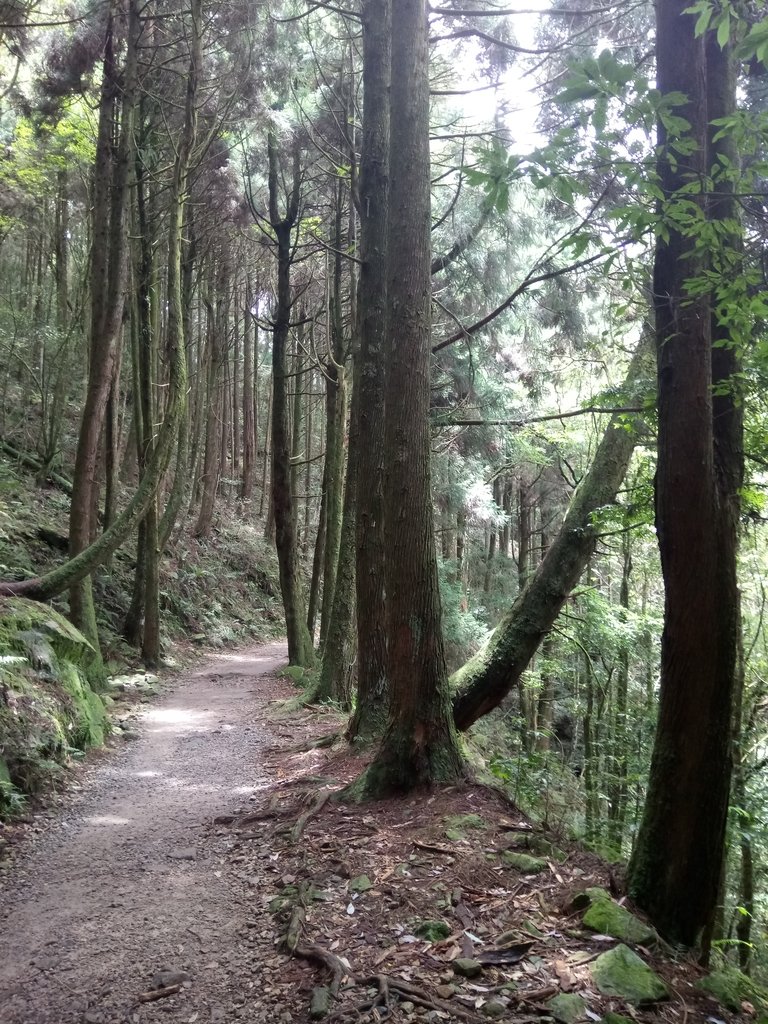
x,y
168,882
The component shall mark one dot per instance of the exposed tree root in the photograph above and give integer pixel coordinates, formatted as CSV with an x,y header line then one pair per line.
x,y
320,801
386,985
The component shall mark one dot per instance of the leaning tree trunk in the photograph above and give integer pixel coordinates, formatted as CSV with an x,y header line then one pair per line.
x,y
419,746
676,865
491,674
372,690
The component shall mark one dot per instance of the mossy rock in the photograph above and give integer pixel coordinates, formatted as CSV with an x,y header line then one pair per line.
x,y
90,721
458,824
524,862
608,918
731,988
537,844
432,931
616,1018
620,972
361,883
567,1007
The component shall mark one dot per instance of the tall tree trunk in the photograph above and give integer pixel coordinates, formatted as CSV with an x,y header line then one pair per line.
x,y
300,650
109,263
336,419
372,687
419,746
337,670
676,865
249,426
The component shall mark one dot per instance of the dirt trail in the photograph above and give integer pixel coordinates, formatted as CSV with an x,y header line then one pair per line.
x,y
109,895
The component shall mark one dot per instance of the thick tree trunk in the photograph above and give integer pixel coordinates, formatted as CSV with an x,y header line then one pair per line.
x,y
491,674
372,687
419,746
109,264
676,865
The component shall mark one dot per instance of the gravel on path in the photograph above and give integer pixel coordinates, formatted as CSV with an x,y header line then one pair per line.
x,y
123,887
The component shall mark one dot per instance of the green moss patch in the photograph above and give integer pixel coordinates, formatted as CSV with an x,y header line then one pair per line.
x,y
608,918
731,988
622,973
48,708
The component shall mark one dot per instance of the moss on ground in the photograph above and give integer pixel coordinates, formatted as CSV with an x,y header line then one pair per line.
x,y
48,707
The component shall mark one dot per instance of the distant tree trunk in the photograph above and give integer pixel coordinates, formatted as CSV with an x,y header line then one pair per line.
x,y
617,784
338,665
109,264
676,865
336,419
300,649
372,689
297,456
317,565
54,408
492,673
215,437
249,425
419,746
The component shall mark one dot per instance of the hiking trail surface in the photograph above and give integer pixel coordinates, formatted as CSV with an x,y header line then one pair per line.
x,y
202,872
121,885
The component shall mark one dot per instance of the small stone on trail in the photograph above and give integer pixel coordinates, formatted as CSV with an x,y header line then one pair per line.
x,y
445,991
467,967
320,1004
495,1009
183,853
567,1007
130,734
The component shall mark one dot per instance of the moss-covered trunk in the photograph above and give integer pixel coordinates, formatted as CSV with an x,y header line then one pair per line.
x,y
491,674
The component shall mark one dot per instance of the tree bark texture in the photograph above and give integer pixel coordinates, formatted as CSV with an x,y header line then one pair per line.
x,y
676,865
108,273
419,746
372,688
300,651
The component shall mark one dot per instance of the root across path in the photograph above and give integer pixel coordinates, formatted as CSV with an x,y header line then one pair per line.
x,y
119,911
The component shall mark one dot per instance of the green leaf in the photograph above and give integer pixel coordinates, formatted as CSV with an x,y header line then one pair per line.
x,y
724,31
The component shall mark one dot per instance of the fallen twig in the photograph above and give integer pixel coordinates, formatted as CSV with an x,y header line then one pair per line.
x,y
158,993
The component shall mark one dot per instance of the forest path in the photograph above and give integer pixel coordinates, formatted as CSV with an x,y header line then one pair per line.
x,y
121,887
